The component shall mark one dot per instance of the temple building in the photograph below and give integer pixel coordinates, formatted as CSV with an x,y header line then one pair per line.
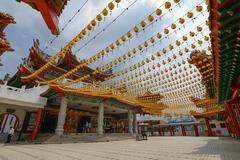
x,y
193,84
63,112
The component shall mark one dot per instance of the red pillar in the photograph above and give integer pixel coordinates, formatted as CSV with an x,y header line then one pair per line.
x,y
170,130
233,119
183,130
151,125
173,132
160,129
210,133
196,130
237,104
37,123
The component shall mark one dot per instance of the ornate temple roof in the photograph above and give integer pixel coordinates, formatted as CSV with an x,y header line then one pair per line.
x,y
5,45
226,38
37,58
50,10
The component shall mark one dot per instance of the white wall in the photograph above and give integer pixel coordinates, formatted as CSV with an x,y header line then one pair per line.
x,y
19,112
223,131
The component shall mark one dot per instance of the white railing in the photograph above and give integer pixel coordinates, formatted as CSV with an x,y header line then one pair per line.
x,y
21,96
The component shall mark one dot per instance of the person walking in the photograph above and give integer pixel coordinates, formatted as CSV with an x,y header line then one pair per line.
x,y
10,135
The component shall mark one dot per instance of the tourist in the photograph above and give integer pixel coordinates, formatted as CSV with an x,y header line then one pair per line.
x,y
10,135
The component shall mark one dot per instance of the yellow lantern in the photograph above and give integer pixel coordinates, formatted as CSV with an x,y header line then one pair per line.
x,y
152,57
193,46
176,1
199,29
167,5
129,54
207,23
123,38
94,23
107,49
139,64
129,34
158,54
152,40
199,8
143,24
158,12
158,65
134,51
206,38
124,57
117,42
111,5
186,49
163,62
174,56
190,14
181,20
117,1
170,47
112,46
150,18
159,35
173,26
135,29
169,59
192,34
178,43
145,44
99,17
89,27
147,60
105,12
140,47
119,59
166,31
164,50
184,38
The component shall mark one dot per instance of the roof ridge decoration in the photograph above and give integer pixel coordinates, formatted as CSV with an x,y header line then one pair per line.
x,y
5,45
50,11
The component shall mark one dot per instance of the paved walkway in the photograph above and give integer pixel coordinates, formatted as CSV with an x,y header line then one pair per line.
x,y
156,148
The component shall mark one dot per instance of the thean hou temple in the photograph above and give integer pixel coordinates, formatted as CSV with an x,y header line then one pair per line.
x,y
174,70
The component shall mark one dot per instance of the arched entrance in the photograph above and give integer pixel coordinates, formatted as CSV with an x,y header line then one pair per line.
x,y
8,120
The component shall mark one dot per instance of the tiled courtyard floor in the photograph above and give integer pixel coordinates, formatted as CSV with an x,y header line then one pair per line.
x,y
156,148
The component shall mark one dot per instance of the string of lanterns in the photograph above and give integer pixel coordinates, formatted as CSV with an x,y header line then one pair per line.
x,y
129,35
81,35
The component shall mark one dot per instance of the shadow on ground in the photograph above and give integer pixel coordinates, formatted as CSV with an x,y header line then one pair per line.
x,y
224,148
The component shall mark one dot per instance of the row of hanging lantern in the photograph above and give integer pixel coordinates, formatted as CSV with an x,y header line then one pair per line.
x,y
195,71
81,35
109,48
127,79
170,47
144,62
120,59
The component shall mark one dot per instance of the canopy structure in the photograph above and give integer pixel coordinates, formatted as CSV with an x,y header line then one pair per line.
x,y
175,72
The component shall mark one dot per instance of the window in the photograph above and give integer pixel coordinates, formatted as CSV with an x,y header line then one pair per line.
x,y
213,126
223,125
